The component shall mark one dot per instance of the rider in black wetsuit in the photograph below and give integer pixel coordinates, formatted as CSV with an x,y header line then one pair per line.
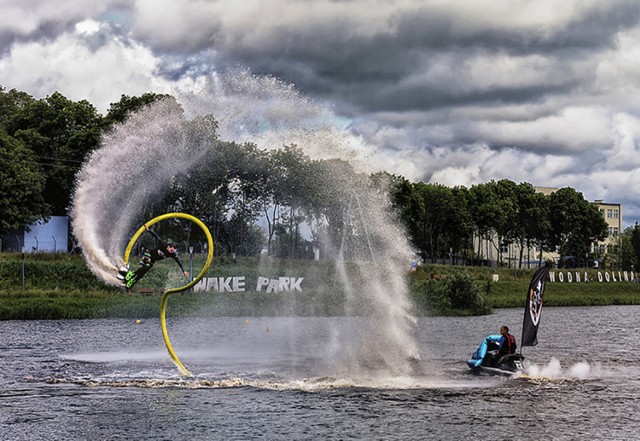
x,y
165,249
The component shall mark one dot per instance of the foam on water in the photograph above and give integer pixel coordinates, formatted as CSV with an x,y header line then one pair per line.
x,y
316,384
554,370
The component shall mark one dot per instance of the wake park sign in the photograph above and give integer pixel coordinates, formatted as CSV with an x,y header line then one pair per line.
x,y
602,276
239,284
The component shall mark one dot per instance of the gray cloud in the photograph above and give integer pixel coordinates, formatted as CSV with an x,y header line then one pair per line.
x,y
44,21
455,92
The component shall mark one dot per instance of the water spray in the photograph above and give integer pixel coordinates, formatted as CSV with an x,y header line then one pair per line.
x,y
139,159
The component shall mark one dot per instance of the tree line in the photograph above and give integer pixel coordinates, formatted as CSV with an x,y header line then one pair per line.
x,y
44,142
459,220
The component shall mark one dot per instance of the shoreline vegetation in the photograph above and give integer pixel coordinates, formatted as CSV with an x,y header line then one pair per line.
x,y
60,286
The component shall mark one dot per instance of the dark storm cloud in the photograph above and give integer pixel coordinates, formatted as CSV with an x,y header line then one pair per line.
x,y
438,96
591,28
44,31
370,72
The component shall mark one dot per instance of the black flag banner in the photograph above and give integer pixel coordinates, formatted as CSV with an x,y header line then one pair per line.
x,y
533,307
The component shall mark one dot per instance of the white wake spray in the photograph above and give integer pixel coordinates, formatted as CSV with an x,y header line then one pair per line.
x,y
554,370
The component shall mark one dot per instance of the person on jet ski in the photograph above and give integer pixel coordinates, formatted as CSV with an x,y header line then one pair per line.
x,y
507,343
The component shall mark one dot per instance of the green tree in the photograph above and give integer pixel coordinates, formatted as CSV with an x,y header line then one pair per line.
x,y
635,243
576,223
21,184
506,223
408,206
436,217
461,231
435,202
224,189
626,253
533,223
11,102
487,213
289,188
60,133
118,112
336,187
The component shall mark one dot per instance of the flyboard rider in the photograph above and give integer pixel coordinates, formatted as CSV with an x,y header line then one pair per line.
x,y
166,248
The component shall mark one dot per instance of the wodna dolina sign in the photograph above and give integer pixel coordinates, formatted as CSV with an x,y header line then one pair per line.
x,y
584,276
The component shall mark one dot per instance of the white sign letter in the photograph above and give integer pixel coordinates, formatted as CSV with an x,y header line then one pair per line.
x,y
283,284
237,284
262,282
295,283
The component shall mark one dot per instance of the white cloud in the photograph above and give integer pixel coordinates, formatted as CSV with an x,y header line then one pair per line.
x,y
72,67
87,27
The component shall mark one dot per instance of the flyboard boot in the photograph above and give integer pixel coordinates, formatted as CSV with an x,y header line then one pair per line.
x,y
124,275
122,272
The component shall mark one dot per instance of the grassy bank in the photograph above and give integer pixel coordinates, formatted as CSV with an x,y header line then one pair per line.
x,y
504,294
62,287
511,288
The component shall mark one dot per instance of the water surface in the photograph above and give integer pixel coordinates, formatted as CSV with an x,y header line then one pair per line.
x,y
286,378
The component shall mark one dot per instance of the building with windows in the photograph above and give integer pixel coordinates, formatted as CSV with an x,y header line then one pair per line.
x,y
612,214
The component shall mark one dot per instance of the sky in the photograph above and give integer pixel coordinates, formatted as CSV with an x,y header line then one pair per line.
x,y
455,92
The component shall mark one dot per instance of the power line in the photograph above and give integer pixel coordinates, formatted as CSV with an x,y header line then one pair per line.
x,y
45,164
52,159
61,160
70,163
49,164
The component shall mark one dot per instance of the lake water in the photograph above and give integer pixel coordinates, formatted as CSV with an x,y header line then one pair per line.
x,y
282,379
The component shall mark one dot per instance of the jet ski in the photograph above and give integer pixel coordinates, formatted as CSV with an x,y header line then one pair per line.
x,y
485,358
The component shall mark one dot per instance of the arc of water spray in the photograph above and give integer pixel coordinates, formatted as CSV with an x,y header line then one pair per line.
x,y
163,302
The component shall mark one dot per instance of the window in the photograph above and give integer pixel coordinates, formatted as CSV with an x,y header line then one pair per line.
x,y
615,231
610,231
609,213
616,214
